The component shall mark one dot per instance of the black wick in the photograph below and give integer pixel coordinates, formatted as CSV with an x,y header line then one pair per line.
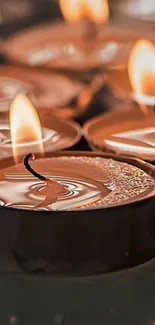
x,y
30,169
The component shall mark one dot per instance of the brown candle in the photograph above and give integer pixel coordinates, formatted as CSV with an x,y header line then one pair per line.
x,y
33,130
89,40
130,130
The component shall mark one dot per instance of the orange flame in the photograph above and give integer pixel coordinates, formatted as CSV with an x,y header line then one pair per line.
x,y
76,10
141,68
25,126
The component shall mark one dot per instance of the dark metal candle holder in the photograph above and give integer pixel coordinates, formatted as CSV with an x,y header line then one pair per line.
x,y
79,242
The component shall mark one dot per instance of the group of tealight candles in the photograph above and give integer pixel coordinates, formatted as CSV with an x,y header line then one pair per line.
x,y
37,112
79,211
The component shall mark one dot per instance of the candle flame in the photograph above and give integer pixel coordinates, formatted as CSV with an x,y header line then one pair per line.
x,y
25,126
141,68
76,10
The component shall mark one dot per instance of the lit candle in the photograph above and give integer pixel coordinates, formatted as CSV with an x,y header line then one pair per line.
x,y
130,129
137,77
55,133
92,13
87,221
141,70
88,41
74,11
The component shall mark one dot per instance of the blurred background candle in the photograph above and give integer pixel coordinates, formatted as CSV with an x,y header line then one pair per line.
x,y
130,129
25,123
86,23
142,74
86,19
136,80
69,54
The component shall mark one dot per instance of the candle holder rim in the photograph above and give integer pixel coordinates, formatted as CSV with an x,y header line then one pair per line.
x,y
76,127
68,122
103,146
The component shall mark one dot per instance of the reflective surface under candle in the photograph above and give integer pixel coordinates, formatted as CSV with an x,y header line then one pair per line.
x,y
74,183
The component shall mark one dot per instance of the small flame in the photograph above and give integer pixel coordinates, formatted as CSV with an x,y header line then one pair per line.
x,y
25,126
76,10
141,68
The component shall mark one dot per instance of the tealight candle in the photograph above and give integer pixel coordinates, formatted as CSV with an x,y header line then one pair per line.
x,y
55,133
136,80
76,212
130,130
88,40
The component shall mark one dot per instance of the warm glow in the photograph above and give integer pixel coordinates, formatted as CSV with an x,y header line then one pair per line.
x,y
25,126
141,68
75,10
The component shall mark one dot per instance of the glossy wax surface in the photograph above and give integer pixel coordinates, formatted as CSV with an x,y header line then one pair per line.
x,y
74,183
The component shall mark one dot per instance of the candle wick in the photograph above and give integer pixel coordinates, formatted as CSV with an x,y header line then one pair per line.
x,y
31,156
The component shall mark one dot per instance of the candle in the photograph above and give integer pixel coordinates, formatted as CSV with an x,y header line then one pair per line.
x,y
137,78
91,13
130,130
55,133
73,232
88,43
